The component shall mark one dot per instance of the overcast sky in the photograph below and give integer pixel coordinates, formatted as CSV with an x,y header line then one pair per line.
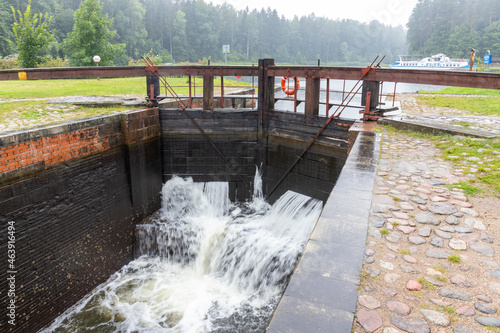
x,y
390,12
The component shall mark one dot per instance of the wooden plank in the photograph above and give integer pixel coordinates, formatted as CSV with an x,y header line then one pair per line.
x,y
312,96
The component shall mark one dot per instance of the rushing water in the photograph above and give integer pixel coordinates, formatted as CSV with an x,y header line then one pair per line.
x,y
204,265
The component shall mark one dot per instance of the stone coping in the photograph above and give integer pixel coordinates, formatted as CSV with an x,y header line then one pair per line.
x,y
322,293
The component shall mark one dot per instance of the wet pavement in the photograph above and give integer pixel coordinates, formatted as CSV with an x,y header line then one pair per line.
x,y
431,261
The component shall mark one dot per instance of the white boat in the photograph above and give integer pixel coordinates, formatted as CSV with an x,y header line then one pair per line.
x,y
438,61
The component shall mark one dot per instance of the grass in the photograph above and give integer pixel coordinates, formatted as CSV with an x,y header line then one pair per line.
x,y
449,310
426,284
384,231
468,188
36,110
455,258
87,87
483,105
404,251
484,101
464,91
476,156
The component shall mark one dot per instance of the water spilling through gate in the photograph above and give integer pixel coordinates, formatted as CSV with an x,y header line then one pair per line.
x,y
204,264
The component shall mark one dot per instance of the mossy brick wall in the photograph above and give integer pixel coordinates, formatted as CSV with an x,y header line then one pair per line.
x,y
75,192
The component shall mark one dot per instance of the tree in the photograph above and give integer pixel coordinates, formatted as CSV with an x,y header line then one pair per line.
x,y
491,38
91,36
32,36
5,29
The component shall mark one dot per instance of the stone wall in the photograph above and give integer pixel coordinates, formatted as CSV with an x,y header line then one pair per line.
x,y
74,193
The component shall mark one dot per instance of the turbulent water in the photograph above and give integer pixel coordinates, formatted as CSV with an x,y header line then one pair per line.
x,y
205,265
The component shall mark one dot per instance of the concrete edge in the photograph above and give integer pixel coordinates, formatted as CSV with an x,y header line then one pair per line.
x,y
433,129
322,293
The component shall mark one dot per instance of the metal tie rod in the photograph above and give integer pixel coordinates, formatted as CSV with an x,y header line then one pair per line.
x,y
299,157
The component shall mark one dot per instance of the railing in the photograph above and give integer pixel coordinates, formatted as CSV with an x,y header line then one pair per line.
x,y
266,72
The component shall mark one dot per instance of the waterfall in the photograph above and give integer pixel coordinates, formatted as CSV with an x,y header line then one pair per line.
x,y
204,265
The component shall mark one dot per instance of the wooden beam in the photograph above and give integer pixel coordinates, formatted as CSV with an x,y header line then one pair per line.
x,y
208,92
312,96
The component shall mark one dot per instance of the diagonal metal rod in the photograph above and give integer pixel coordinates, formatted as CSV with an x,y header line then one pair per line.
x,y
183,106
299,157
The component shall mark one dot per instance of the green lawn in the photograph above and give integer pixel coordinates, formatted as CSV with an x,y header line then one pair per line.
x,y
487,101
87,87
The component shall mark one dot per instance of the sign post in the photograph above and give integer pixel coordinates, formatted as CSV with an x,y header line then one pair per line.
x,y
487,60
225,50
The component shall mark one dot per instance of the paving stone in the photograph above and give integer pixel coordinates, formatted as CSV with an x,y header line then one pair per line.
x,y
374,232
379,208
400,308
393,237
406,230
474,224
465,311
410,259
442,208
370,320
439,302
425,231
391,278
491,263
494,273
437,242
447,228
434,281
419,201
463,230
377,223
373,272
413,249
452,220
414,325
482,249
461,204
369,302
426,218
438,199
369,252
416,240
483,308
442,234
436,317
461,281
389,292
413,285
485,237
450,293
484,298
457,244
433,272
390,330
392,247
488,321
386,265
469,211
369,260
401,215
368,288
463,329
438,254
409,269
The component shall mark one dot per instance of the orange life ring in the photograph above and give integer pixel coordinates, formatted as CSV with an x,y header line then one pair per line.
x,y
287,91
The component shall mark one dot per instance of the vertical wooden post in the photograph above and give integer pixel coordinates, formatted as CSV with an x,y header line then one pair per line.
x,y
208,92
312,96
190,105
266,88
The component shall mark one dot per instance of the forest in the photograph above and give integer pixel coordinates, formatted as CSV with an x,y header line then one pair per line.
x,y
194,31
454,27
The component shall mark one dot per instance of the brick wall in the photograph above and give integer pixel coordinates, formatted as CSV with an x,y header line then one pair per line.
x,y
74,192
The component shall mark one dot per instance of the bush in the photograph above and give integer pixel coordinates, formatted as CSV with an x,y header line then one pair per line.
x,y
51,62
9,62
